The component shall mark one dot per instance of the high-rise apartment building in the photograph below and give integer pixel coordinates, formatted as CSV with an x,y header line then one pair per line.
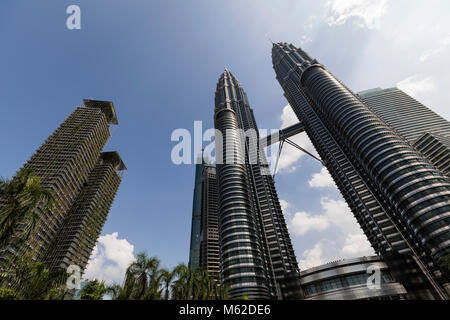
x,y
83,181
424,129
204,250
84,222
396,195
256,253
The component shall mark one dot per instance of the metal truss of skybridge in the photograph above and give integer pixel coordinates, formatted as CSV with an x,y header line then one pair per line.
x,y
283,136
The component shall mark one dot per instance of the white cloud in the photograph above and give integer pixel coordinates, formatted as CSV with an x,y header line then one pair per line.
x,y
321,179
419,87
350,242
356,245
335,212
440,47
325,250
313,257
284,204
290,155
110,259
338,213
304,222
367,12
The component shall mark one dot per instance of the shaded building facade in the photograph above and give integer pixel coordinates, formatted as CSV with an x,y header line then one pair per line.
x,y
393,191
83,181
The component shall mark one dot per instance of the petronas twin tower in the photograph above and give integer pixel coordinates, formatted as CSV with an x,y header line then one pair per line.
x,y
256,252
400,199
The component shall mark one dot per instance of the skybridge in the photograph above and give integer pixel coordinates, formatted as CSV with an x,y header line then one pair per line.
x,y
282,136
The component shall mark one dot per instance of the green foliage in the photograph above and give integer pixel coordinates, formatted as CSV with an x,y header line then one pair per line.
x,y
7,294
197,284
60,292
144,280
93,290
20,198
31,280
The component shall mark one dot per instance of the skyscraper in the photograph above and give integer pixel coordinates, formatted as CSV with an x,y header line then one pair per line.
x,y
194,251
256,253
424,129
83,181
396,195
204,250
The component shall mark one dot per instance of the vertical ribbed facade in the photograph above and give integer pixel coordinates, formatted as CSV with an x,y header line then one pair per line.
x,y
69,165
241,252
390,187
248,201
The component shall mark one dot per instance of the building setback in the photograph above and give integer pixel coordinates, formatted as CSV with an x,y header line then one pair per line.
x,y
390,187
256,253
427,131
437,149
83,181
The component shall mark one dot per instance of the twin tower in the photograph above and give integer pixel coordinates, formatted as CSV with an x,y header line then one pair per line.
x,y
83,180
400,197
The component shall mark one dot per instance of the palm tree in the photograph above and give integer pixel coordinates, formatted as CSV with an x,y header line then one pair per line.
x,y
167,279
117,292
203,285
143,278
197,284
182,287
145,281
222,292
19,200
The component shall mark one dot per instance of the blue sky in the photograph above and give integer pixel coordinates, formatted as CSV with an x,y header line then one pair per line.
x,y
159,62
